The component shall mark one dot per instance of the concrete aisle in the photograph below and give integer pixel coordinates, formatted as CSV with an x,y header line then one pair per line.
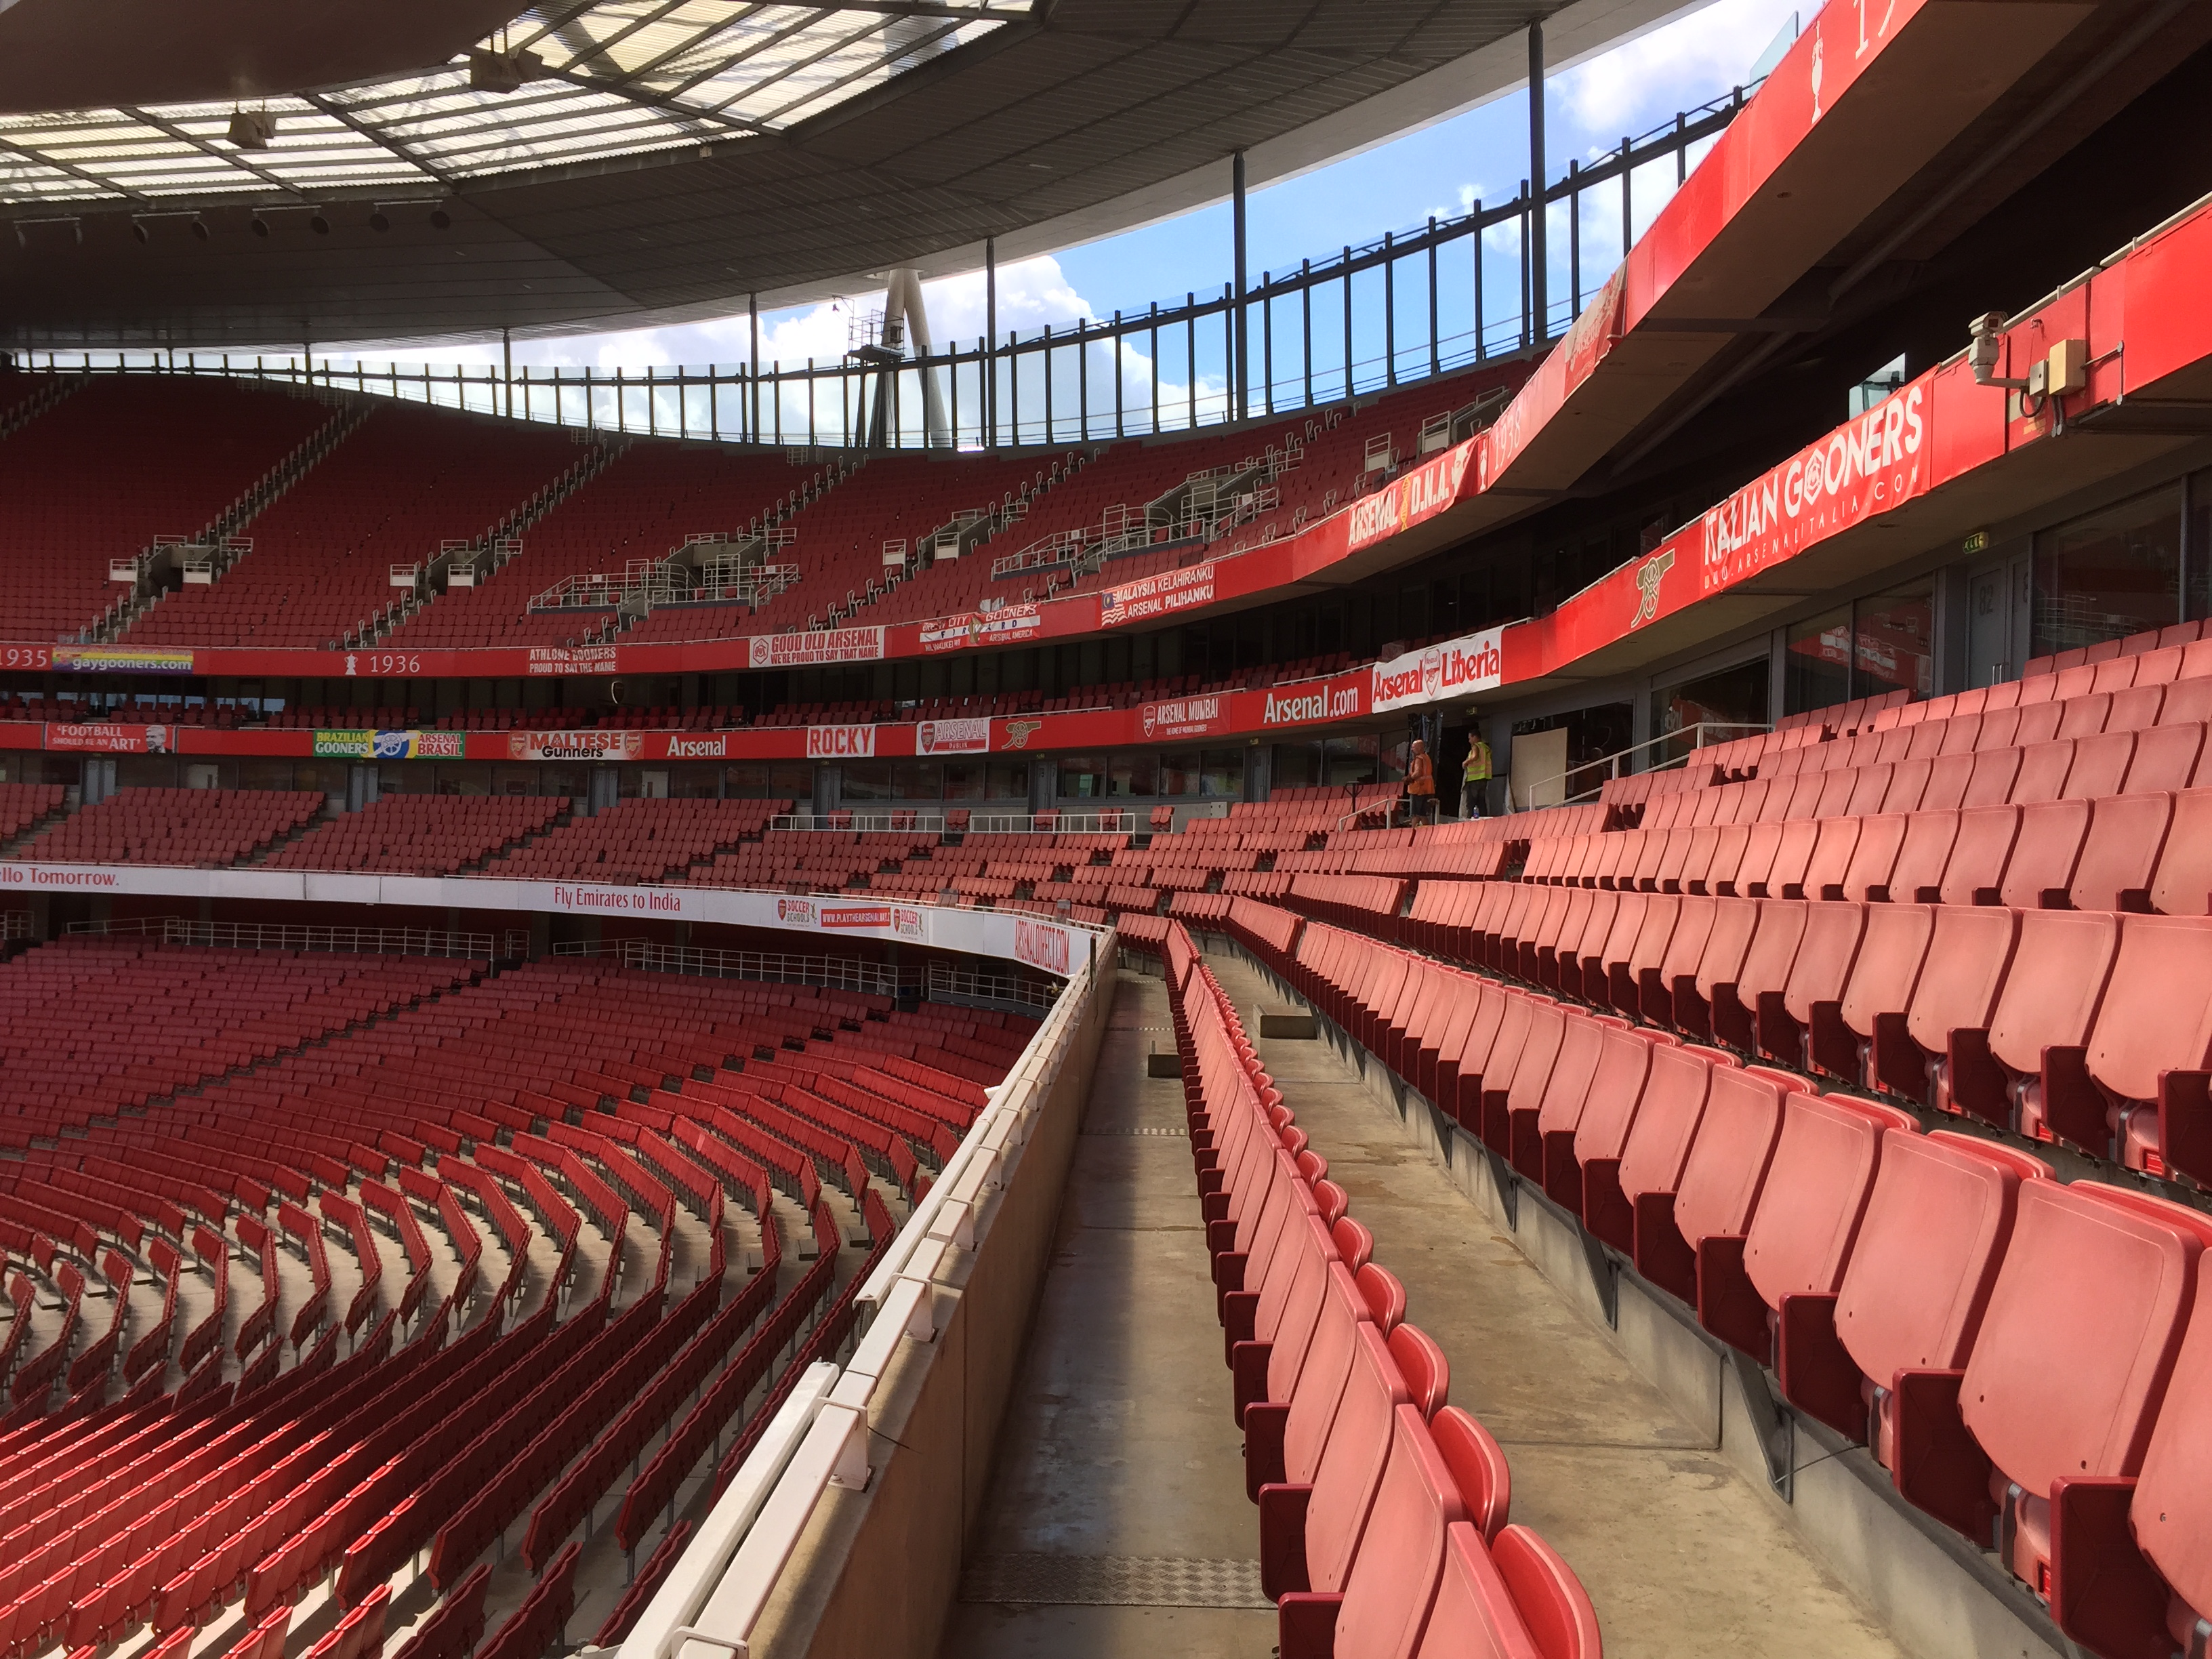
x,y
1679,1553
1117,1524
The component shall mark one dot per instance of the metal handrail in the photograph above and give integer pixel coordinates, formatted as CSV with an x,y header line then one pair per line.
x,y
1737,728
285,936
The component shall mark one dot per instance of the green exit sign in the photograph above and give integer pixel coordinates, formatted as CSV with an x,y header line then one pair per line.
x,y
1977,542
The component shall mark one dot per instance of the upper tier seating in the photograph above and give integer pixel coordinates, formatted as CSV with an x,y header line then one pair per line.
x,y
116,463
839,543
203,829
423,835
644,504
407,480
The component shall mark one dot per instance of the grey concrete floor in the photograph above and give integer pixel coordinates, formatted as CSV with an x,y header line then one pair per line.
x,y
1679,1553
1118,1459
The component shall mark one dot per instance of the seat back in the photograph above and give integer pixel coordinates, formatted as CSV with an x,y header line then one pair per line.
x,y
1816,1192
1978,857
1382,1295
1970,952
1728,1162
1477,1465
2051,992
1924,856
1421,1362
1735,922
1352,1463
2155,1015
2120,852
2083,1326
2165,757
1569,1088
1393,1576
1615,1093
1320,1383
1293,1293
2184,880
1666,1124
1886,967
2045,853
2172,1508
1515,1600
1822,966
1937,1223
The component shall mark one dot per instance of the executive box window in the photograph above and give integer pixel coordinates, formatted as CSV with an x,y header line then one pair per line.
x,y
2109,574
1873,646
1731,698
767,781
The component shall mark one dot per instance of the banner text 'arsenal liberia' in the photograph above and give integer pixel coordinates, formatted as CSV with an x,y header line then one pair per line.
x,y
1473,662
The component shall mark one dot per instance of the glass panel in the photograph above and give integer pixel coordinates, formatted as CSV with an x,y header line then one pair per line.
x,y
1007,780
1295,766
1819,665
1894,644
2109,574
1222,773
917,780
1082,777
859,781
1737,695
1348,762
1133,774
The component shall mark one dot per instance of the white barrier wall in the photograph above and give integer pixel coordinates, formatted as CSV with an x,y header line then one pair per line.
x,y
1038,942
842,1533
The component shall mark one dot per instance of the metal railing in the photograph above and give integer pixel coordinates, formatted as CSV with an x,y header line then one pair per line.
x,y
771,967
15,924
1449,293
947,983
284,936
1612,763
940,821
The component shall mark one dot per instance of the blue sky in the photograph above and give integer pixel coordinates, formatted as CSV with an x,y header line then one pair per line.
x,y
1440,170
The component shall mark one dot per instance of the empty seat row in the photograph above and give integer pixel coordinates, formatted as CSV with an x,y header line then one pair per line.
x,y
2030,1361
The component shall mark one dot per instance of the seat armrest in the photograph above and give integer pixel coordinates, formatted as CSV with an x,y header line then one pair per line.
x,y
1728,1305
1283,1539
1938,1466
1264,1423
1305,1626
1247,1375
1819,1376
2104,1594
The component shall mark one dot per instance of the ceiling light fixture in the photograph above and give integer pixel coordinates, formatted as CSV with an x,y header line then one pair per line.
x,y
377,221
253,129
319,225
260,225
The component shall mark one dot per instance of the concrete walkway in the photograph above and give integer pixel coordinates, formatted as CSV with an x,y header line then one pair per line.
x,y
1679,1553
1118,1524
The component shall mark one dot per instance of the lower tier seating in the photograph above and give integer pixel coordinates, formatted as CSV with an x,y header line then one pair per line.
x,y
2027,1359
1382,1509
489,1187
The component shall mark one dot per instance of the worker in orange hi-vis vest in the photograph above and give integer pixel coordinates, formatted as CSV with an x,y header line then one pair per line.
x,y
1421,784
1474,778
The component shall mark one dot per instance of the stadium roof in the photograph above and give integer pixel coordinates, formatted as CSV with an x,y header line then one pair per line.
x,y
659,160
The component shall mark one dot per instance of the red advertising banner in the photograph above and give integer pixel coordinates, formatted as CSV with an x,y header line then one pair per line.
x,y
805,650
585,745
1185,717
1157,595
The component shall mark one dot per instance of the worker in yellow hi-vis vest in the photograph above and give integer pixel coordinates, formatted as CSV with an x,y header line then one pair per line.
x,y
1474,777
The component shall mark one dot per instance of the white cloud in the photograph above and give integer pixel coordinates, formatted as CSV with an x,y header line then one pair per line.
x,y
1635,87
